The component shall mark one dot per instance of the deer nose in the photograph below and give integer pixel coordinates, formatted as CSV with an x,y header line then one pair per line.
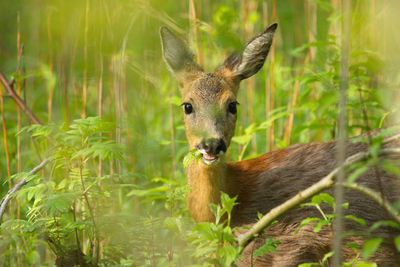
x,y
212,146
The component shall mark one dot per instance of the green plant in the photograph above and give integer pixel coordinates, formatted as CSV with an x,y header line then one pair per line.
x,y
215,242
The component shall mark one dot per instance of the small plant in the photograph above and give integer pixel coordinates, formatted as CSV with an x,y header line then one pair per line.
x,y
64,204
215,242
269,246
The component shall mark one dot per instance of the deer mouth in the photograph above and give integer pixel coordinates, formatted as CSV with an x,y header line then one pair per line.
x,y
209,159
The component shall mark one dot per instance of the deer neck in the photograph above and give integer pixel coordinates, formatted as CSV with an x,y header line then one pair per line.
x,y
205,185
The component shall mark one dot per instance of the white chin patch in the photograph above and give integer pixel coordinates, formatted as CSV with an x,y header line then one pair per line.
x,y
210,162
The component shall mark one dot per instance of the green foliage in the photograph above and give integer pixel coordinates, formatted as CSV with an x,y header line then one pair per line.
x,y
397,242
193,155
269,246
62,206
215,242
125,165
326,219
252,129
370,246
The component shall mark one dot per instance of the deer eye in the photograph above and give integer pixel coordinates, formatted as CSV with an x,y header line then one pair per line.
x,y
232,108
188,108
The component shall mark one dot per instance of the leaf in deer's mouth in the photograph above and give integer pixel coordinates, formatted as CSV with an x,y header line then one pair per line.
x,y
194,154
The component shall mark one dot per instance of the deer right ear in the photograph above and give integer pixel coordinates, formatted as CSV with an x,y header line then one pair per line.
x,y
178,57
249,62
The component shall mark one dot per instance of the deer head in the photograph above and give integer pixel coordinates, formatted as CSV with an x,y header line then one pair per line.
x,y
210,98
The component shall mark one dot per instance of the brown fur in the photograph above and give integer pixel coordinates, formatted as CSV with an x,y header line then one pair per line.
x,y
267,181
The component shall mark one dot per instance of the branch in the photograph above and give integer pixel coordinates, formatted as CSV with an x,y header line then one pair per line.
x,y
19,185
8,85
377,197
324,183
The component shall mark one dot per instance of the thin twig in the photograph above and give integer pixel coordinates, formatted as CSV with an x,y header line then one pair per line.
x,y
19,185
382,200
193,21
271,133
20,49
297,85
324,183
17,99
85,195
85,56
3,119
296,92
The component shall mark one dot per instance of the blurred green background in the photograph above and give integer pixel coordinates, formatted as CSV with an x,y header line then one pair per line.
x,y
103,58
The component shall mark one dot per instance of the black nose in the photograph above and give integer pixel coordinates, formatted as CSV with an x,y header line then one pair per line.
x,y
212,146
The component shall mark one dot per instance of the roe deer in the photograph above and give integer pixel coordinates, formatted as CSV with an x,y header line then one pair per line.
x,y
210,107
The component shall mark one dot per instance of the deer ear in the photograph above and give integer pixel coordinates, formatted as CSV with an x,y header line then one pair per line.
x,y
177,55
245,65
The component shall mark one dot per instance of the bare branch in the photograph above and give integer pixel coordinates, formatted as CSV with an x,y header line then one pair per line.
x,y
377,197
18,186
17,99
289,204
324,183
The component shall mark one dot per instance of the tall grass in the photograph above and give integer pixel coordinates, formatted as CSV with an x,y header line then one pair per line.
x,y
90,58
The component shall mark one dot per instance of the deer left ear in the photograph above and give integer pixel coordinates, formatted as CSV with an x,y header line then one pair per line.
x,y
245,65
178,56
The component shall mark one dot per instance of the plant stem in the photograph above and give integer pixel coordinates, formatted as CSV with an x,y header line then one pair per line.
x,y
85,55
85,195
342,131
19,185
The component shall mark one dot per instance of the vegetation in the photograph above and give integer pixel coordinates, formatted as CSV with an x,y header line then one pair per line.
x,y
113,192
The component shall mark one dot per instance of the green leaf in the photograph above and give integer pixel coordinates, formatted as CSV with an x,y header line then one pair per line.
x,y
354,218
228,235
366,264
370,246
397,242
145,192
309,264
392,169
207,230
243,139
307,221
353,246
191,156
355,174
269,246
320,224
227,202
164,180
228,255
172,223
323,197
33,257
60,202
217,211
328,255
378,224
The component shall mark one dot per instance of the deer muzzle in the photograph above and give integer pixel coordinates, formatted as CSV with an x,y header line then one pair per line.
x,y
211,149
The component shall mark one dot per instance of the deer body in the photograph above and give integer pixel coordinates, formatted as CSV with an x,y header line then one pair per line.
x,y
209,101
